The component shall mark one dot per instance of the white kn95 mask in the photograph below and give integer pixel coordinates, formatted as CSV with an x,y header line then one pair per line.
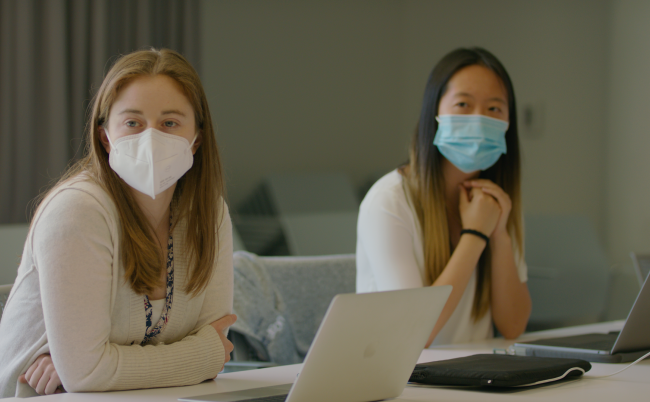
x,y
151,161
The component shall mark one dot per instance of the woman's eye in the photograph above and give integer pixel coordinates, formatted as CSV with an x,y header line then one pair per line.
x,y
461,104
170,124
131,123
495,109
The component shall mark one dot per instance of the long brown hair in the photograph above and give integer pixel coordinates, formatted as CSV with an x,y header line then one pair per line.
x,y
426,184
197,199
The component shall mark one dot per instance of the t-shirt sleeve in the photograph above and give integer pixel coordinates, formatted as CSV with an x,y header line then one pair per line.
x,y
387,241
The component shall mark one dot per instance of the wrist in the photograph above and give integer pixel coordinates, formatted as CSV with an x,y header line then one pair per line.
x,y
500,237
476,233
471,244
470,247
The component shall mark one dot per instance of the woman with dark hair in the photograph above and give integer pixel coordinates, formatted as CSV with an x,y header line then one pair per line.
x,y
452,214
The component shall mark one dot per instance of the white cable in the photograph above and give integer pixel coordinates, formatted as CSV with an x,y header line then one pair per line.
x,y
624,368
553,379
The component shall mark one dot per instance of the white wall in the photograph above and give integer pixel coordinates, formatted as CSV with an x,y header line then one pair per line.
x,y
303,86
628,146
325,85
628,142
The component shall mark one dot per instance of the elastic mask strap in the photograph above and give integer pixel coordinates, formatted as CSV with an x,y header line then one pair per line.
x,y
193,141
109,140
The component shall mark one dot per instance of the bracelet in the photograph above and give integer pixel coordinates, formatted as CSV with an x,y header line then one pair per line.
x,y
476,233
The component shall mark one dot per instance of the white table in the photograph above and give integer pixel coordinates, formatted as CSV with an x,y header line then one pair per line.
x,y
631,385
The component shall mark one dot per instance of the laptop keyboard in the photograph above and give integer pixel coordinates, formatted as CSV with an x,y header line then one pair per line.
x,y
273,398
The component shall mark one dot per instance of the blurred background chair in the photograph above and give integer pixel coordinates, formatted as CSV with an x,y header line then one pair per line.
x,y
12,241
641,263
568,274
4,295
303,288
299,214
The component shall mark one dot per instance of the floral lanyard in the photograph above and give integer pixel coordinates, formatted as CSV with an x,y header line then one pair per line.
x,y
155,330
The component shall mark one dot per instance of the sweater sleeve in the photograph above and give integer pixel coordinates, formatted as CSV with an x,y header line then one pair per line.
x,y
73,251
388,244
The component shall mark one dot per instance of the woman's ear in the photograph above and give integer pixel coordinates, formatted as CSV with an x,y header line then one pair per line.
x,y
197,142
104,140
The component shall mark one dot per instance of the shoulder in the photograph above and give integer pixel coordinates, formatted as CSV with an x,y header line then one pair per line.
x,y
80,189
223,214
387,194
78,202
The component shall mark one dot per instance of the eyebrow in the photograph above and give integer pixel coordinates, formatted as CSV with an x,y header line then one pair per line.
x,y
174,111
132,111
500,100
496,99
165,112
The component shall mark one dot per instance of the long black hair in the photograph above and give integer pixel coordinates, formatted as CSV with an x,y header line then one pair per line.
x,y
426,181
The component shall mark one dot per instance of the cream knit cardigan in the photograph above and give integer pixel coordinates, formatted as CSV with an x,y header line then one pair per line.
x,y
70,299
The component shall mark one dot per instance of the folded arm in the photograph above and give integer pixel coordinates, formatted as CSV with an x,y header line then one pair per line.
x,y
73,249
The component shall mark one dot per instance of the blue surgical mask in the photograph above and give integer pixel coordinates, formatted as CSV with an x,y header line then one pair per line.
x,y
471,141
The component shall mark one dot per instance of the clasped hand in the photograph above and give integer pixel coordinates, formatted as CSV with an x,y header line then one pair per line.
x,y
221,325
42,375
484,206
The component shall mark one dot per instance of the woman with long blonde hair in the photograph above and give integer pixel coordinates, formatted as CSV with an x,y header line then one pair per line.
x,y
126,276
452,214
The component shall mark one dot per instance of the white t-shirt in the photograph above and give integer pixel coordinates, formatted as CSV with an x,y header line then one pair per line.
x,y
390,256
156,310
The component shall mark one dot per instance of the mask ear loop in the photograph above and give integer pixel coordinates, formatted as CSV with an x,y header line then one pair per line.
x,y
193,141
108,136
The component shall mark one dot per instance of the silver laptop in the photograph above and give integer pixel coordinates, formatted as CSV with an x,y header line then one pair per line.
x,y
365,349
632,342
